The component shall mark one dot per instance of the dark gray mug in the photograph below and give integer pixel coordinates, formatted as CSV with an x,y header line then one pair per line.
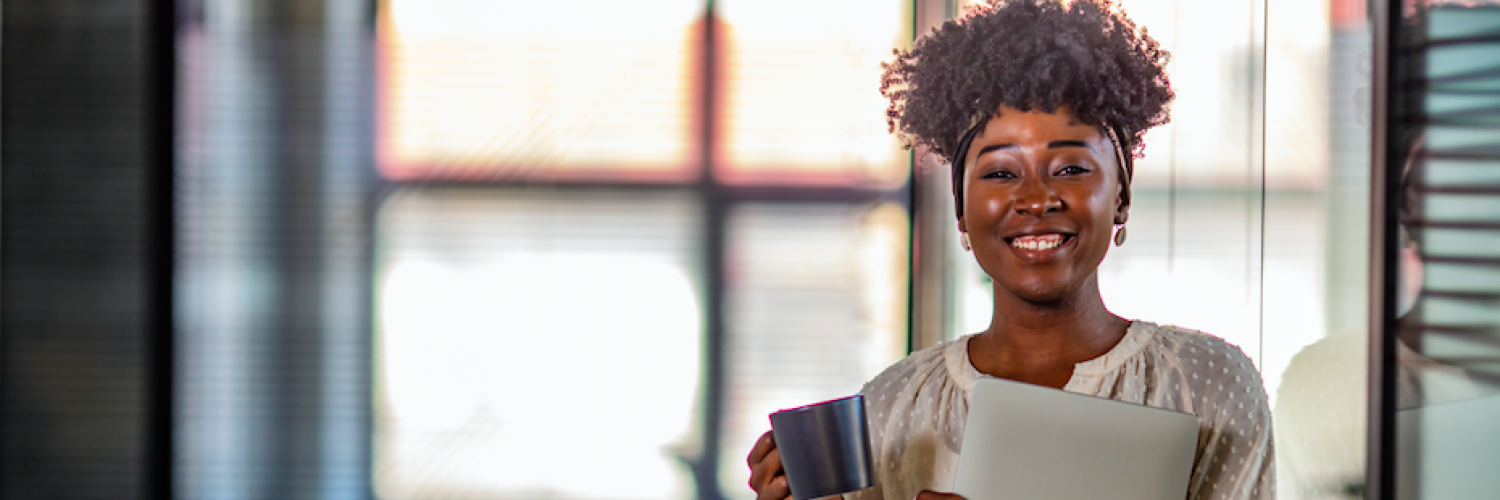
x,y
825,447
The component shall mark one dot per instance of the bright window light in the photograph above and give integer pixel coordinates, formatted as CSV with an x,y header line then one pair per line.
x,y
485,89
801,92
535,347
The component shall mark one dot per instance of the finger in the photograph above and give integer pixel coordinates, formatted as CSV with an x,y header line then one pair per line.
x,y
764,445
766,471
777,489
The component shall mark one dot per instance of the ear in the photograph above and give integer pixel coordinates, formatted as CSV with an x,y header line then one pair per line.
x,y
1122,211
961,227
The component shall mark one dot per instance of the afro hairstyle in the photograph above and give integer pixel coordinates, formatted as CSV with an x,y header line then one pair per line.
x,y
1028,55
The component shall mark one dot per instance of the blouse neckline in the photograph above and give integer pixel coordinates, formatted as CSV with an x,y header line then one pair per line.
x,y
1137,335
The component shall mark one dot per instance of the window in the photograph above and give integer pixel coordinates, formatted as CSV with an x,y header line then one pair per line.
x,y
617,236
536,342
516,90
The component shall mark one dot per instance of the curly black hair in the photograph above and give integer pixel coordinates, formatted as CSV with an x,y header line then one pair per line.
x,y
1028,55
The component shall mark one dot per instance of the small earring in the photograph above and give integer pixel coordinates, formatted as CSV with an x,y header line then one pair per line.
x,y
963,239
1120,236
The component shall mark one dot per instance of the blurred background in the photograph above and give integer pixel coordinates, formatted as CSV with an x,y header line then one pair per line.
x,y
510,249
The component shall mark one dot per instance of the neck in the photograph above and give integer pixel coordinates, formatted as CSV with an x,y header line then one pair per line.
x,y
1028,336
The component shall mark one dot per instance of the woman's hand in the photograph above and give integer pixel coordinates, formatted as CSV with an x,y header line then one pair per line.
x,y
933,495
766,476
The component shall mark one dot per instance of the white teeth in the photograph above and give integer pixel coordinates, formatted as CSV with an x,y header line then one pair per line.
x,y
1037,244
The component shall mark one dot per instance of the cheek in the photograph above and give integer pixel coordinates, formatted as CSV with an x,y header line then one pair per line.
x,y
1411,270
1098,206
992,206
1104,198
986,205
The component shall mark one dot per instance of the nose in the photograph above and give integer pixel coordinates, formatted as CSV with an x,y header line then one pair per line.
x,y
1036,197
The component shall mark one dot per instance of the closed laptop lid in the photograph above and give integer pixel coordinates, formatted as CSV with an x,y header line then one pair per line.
x,y
1024,442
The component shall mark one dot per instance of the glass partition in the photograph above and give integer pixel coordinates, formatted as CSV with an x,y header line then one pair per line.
x,y
1442,170
1317,250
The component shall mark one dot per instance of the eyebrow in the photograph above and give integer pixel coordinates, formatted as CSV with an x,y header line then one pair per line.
x,y
1050,145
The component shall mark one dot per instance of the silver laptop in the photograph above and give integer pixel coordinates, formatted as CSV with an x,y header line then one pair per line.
x,y
1026,442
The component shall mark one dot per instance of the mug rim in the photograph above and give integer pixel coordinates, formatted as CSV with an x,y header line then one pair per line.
x,y
813,406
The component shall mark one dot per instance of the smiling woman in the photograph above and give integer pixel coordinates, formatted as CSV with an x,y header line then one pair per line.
x,y
1041,108
1039,200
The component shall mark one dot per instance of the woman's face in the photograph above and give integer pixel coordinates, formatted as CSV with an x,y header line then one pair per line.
x,y
1042,196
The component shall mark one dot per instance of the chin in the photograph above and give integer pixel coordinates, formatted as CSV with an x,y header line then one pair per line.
x,y
1038,290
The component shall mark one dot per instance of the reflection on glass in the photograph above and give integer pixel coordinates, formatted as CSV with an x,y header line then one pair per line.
x,y
801,103
485,89
1446,125
816,306
535,344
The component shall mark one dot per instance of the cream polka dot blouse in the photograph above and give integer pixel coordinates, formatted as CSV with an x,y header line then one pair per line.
x,y
916,410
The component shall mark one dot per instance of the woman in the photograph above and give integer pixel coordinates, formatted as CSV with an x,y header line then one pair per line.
x,y
1040,108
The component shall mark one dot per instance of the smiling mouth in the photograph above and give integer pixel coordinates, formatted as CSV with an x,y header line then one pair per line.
x,y
1039,242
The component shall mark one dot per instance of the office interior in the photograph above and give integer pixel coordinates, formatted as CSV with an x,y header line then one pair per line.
x,y
515,249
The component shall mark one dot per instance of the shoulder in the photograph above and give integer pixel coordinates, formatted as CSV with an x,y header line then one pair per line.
x,y
933,365
1207,354
1217,373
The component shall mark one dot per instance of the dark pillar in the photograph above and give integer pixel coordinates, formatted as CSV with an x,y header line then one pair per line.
x,y
84,251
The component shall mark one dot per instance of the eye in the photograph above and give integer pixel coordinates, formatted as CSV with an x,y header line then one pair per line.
x,y
999,174
1073,170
